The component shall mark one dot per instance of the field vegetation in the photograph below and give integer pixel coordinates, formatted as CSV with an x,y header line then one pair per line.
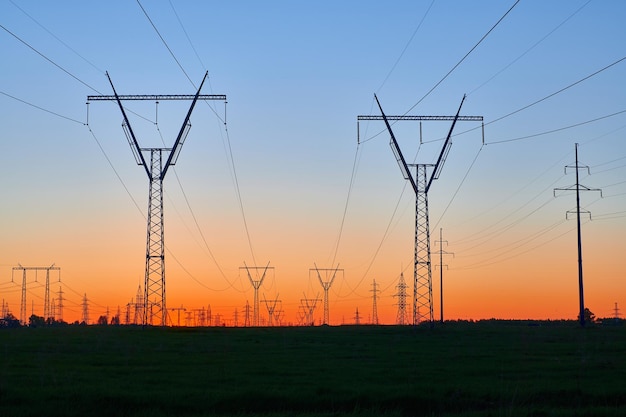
x,y
488,368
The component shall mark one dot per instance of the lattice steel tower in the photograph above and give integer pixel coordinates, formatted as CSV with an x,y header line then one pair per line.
x,y
421,182
256,284
160,159
326,284
402,316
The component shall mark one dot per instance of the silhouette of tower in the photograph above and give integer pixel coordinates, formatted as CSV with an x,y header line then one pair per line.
x,y
578,187
271,309
326,284
421,182
160,159
374,306
402,317
85,305
246,320
256,284
59,312
357,317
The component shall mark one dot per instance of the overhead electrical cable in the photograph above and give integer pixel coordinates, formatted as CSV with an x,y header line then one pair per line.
x,y
464,57
230,153
57,38
419,25
531,48
48,59
41,108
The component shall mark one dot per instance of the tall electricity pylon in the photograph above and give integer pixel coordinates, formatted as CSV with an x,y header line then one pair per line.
x,y
326,284
85,306
441,265
579,187
160,159
421,182
256,284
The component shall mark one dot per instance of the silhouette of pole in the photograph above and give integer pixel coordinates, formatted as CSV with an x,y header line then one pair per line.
x,y
441,265
578,187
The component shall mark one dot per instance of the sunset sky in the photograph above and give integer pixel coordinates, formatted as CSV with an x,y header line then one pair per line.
x,y
278,175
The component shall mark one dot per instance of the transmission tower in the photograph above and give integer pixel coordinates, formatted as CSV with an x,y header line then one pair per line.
x,y
616,312
374,291
139,306
85,306
271,308
402,317
308,305
579,187
441,265
256,284
326,284
60,304
236,318
357,317
24,269
246,320
178,310
154,309
421,182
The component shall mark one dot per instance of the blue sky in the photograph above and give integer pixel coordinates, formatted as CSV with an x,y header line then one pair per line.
x,y
296,75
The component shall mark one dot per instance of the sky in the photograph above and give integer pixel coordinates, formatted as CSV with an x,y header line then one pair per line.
x,y
283,175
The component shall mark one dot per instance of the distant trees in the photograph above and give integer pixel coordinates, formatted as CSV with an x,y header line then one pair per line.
x,y
589,316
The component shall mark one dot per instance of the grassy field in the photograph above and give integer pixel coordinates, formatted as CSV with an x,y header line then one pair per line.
x,y
459,369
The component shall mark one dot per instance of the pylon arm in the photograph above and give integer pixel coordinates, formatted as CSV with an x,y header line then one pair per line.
x,y
445,150
158,97
404,168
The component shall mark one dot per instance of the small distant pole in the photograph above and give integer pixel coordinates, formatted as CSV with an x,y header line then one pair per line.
x,y
578,187
441,265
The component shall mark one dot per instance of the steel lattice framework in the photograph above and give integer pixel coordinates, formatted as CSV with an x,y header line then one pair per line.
x,y
421,182
153,308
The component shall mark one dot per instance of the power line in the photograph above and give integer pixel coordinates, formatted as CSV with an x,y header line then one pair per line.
x,y
41,108
464,57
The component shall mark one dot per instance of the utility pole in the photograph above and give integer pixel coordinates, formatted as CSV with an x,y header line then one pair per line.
x,y
421,182
441,265
326,284
402,317
256,284
579,187
160,159
374,291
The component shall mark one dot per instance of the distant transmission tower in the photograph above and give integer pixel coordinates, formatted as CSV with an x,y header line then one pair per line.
x,y
85,305
357,317
60,304
326,284
256,284
375,291
154,310
308,306
616,312
246,310
578,187
271,308
441,265
402,317
139,306
46,307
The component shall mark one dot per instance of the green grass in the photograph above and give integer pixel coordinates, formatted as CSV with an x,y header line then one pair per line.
x,y
459,369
